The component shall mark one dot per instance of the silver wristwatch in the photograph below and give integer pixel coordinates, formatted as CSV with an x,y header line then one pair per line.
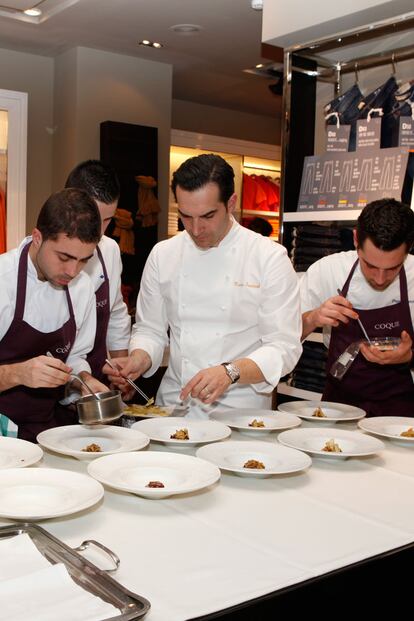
x,y
232,371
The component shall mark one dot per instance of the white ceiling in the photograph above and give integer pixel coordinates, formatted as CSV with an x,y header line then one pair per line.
x,y
208,66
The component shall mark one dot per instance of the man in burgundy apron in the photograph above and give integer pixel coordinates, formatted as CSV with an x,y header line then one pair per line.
x,y
380,390
36,409
379,382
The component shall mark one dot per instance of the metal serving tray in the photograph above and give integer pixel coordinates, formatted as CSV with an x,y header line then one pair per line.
x,y
82,571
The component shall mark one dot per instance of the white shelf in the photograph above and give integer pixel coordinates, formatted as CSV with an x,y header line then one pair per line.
x,y
330,215
256,212
291,391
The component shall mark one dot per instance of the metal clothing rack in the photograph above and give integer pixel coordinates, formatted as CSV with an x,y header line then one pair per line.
x,y
330,70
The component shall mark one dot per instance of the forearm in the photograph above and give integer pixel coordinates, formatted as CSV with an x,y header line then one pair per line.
x,y
141,360
118,353
250,373
309,323
10,376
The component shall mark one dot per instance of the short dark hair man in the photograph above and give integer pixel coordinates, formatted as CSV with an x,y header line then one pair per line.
x,y
376,282
228,296
113,324
46,306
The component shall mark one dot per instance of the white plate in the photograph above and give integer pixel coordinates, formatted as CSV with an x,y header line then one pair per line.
x,y
71,439
388,426
40,493
232,456
311,440
240,419
131,472
199,431
15,453
335,412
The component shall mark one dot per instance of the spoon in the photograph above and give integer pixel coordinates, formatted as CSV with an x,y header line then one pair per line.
x,y
78,377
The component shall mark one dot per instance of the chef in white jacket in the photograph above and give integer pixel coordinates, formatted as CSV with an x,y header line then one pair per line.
x,y
228,296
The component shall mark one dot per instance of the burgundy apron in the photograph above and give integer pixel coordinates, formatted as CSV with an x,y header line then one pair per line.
x,y
96,357
381,390
34,409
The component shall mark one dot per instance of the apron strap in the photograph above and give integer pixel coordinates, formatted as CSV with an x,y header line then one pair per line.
x,y
344,290
21,283
100,257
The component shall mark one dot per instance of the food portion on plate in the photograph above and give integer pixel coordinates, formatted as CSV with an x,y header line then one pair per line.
x,y
253,421
146,410
254,464
319,413
170,431
180,434
257,423
409,433
332,447
92,448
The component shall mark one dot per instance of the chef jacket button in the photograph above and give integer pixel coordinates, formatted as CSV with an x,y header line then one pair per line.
x,y
223,308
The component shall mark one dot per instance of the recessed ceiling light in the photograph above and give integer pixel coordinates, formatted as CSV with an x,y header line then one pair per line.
x,y
145,42
259,66
186,29
157,45
148,43
33,12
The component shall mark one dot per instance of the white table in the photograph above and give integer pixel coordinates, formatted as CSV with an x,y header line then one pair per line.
x,y
245,537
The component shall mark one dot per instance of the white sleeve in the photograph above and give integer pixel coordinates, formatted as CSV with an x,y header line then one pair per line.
x,y
84,307
317,284
119,326
280,323
150,329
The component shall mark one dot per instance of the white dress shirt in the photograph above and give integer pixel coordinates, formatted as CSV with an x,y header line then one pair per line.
x,y
46,307
119,327
237,300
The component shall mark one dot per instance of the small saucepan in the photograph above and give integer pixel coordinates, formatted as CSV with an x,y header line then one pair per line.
x,y
103,408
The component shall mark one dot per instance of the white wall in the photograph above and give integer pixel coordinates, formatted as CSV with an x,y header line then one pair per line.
x,y
103,86
195,117
33,74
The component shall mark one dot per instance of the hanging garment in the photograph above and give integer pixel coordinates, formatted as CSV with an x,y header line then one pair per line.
x,y
379,103
253,194
148,205
381,390
344,110
124,230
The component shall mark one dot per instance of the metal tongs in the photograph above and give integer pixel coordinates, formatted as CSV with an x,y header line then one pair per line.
x,y
149,401
78,377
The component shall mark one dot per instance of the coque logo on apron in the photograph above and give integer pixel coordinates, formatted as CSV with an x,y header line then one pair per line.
x,y
387,326
65,349
101,303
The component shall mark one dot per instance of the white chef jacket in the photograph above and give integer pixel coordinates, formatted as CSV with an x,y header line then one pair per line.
x,y
46,307
239,299
324,277
119,327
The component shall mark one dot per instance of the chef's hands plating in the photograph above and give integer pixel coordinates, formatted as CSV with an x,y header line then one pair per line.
x,y
94,384
207,385
132,366
332,312
400,355
39,372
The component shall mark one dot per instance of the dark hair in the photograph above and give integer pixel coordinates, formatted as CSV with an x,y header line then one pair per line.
x,y
196,172
387,223
98,179
72,212
262,226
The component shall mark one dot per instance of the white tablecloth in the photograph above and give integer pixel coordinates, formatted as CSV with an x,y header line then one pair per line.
x,y
245,537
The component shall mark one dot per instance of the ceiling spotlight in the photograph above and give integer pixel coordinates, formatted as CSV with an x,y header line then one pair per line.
x,y
186,29
147,43
259,66
257,5
34,12
157,45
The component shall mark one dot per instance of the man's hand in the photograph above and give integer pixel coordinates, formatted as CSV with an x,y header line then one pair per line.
x,y
401,355
94,384
132,366
332,312
42,372
207,385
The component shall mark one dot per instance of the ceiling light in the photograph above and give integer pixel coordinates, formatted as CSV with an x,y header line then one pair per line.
x,y
34,12
257,5
259,66
186,29
148,43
